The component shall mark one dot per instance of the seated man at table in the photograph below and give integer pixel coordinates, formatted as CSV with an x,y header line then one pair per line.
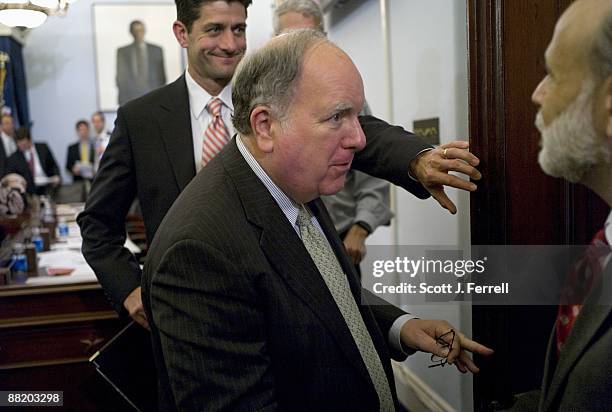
x,y
35,162
252,301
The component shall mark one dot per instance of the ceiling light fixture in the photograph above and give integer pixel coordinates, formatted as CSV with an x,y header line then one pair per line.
x,y
30,13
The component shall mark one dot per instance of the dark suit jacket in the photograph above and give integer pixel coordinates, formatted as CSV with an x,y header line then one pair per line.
x,y
241,317
17,163
3,159
581,379
150,155
128,83
74,155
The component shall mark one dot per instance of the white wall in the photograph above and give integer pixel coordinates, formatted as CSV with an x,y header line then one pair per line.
x,y
429,48
61,74
429,77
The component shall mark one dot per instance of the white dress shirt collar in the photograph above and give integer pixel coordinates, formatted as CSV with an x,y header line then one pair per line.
x,y
199,98
104,134
40,177
289,207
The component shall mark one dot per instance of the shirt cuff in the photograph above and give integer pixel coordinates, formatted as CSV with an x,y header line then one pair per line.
x,y
417,155
365,226
395,340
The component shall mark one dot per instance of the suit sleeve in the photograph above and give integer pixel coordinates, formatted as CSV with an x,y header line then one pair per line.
x,y
17,164
211,331
388,153
162,69
371,200
385,314
50,165
3,159
12,166
70,160
102,222
122,69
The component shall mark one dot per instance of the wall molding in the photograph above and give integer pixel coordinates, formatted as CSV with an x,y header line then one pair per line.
x,y
405,378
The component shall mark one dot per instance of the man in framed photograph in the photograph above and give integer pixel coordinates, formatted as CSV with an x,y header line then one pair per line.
x,y
140,66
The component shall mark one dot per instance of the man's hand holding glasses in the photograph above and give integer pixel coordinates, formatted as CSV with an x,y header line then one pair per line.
x,y
445,344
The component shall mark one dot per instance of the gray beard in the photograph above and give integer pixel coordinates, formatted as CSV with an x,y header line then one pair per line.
x,y
570,146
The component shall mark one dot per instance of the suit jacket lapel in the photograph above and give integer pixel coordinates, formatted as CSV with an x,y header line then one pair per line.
x,y
2,151
596,309
175,131
550,366
285,250
44,159
3,158
41,157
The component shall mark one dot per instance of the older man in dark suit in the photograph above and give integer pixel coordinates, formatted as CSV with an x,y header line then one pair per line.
x,y
575,120
158,144
140,66
253,302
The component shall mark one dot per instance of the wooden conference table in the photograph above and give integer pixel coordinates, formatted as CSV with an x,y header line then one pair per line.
x,y
51,325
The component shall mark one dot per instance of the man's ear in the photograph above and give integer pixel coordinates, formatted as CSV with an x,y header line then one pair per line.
x,y
181,33
262,124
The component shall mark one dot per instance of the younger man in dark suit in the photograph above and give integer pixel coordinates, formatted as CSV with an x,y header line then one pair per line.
x,y
81,156
35,162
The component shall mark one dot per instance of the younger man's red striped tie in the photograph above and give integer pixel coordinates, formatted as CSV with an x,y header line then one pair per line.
x,y
216,135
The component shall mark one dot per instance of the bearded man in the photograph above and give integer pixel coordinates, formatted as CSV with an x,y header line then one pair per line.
x,y
575,120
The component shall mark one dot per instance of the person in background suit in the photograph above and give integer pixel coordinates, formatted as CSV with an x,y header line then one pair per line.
x,y
140,66
8,146
161,141
35,162
252,300
575,122
363,203
101,137
81,155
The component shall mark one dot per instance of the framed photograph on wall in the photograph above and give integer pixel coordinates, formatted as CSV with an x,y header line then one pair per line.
x,y
135,49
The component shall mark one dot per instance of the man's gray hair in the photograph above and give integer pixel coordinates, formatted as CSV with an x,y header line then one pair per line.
x,y
601,51
269,76
308,7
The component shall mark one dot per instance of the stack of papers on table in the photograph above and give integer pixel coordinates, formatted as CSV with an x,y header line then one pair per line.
x,y
63,259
